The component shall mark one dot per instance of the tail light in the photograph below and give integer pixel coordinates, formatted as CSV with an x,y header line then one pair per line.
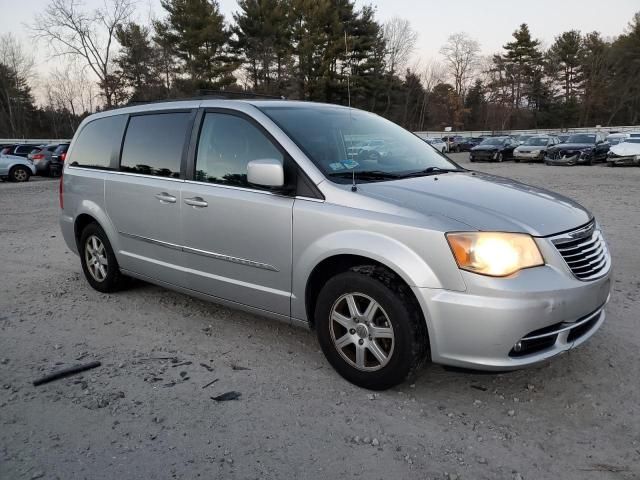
x,y
37,156
61,191
63,156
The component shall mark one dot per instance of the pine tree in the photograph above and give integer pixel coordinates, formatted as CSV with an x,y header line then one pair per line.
x,y
197,31
522,60
565,61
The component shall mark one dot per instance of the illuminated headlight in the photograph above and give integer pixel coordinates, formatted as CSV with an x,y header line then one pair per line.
x,y
496,254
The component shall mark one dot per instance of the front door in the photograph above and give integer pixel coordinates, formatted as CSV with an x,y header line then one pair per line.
x,y
237,236
143,198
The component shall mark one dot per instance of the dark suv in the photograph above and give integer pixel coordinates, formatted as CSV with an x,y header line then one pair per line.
x,y
494,149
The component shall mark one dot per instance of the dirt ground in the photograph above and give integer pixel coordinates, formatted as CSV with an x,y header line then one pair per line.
x,y
146,414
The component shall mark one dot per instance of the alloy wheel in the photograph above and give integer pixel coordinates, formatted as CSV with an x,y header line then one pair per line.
x,y
361,332
20,175
95,256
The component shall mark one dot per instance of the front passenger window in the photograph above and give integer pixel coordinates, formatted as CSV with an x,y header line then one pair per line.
x,y
227,144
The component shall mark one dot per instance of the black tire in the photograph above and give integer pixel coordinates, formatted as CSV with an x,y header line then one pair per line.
x,y
114,280
410,342
19,174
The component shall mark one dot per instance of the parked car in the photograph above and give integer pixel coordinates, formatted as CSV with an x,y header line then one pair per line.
x,y
21,150
58,158
579,149
246,203
452,141
616,138
522,138
495,148
535,148
42,158
468,143
626,153
563,137
15,168
437,144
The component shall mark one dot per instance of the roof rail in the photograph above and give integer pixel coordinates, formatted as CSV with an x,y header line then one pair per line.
x,y
204,94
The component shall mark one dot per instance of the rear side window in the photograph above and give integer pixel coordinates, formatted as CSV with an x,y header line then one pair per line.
x,y
96,143
154,143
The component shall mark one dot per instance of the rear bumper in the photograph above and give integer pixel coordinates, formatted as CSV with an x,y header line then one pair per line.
x,y
480,330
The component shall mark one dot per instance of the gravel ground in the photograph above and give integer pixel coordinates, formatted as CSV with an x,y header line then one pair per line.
x,y
146,414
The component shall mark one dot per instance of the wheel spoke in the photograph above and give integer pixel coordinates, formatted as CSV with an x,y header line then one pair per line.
x,y
360,354
103,271
344,340
342,320
351,304
377,352
371,310
94,243
381,332
102,260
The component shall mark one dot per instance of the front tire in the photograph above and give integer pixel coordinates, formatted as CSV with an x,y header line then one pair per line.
x,y
99,263
19,174
500,157
370,327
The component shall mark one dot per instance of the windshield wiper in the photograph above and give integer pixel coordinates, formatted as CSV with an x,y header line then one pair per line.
x,y
367,175
432,171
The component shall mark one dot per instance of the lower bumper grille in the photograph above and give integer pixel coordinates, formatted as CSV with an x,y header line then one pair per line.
x,y
545,338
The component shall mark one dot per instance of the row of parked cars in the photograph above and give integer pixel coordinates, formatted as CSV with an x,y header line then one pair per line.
x,y
574,149
18,162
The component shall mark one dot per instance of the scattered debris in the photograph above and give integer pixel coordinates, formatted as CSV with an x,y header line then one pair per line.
x,y
208,367
603,467
65,372
479,387
238,367
181,364
158,358
210,383
232,395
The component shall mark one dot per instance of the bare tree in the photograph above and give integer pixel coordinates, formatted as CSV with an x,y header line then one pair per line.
x,y
71,92
432,73
461,55
19,71
400,39
88,36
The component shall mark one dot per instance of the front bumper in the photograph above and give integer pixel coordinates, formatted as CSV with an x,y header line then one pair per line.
x,y
633,160
483,155
527,156
546,309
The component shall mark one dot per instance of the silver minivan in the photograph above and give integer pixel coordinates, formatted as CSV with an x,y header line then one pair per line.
x,y
393,255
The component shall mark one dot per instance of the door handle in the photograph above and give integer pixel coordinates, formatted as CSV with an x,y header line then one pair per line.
x,y
196,202
164,197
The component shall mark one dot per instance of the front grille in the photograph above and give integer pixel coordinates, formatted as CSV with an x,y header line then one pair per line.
x,y
585,252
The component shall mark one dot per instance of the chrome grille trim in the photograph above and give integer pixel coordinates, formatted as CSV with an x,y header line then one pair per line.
x,y
563,327
584,252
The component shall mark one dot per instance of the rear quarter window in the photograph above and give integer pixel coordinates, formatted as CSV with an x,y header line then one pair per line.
x,y
97,142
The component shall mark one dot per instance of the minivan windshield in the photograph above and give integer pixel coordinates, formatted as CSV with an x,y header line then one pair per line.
x,y
342,142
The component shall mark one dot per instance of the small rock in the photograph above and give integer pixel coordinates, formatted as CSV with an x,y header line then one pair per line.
x,y
511,413
229,460
37,474
4,361
453,476
375,442
517,476
477,402
366,440
356,439
371,396
57,347
482,461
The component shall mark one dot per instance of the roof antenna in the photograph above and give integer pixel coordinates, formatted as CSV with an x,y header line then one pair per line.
x,y
354,187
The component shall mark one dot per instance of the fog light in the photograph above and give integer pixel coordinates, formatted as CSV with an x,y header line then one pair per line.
x,y
517,347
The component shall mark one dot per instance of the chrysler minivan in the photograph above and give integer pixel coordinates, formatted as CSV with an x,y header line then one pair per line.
x,y
393,258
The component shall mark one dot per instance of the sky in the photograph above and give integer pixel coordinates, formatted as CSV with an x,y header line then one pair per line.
x,y
491,22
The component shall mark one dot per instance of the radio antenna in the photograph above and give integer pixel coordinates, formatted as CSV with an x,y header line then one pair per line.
x,y
354,187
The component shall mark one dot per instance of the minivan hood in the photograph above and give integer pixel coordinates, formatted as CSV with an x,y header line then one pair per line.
x,y
484,202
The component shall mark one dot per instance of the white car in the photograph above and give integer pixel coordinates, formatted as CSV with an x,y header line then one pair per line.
x,y
626,153
616,138
15,168
438,144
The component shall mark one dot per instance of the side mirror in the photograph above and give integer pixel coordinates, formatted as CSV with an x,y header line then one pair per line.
x,y
266,172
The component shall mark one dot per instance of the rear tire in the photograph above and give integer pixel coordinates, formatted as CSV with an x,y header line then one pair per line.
x,y
99,263
373,347
19,174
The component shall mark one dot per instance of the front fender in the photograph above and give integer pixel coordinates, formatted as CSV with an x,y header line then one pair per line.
x,y
405,262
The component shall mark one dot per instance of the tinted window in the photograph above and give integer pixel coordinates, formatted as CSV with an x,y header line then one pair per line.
x,y
24,149
227,143
96,142
153,144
